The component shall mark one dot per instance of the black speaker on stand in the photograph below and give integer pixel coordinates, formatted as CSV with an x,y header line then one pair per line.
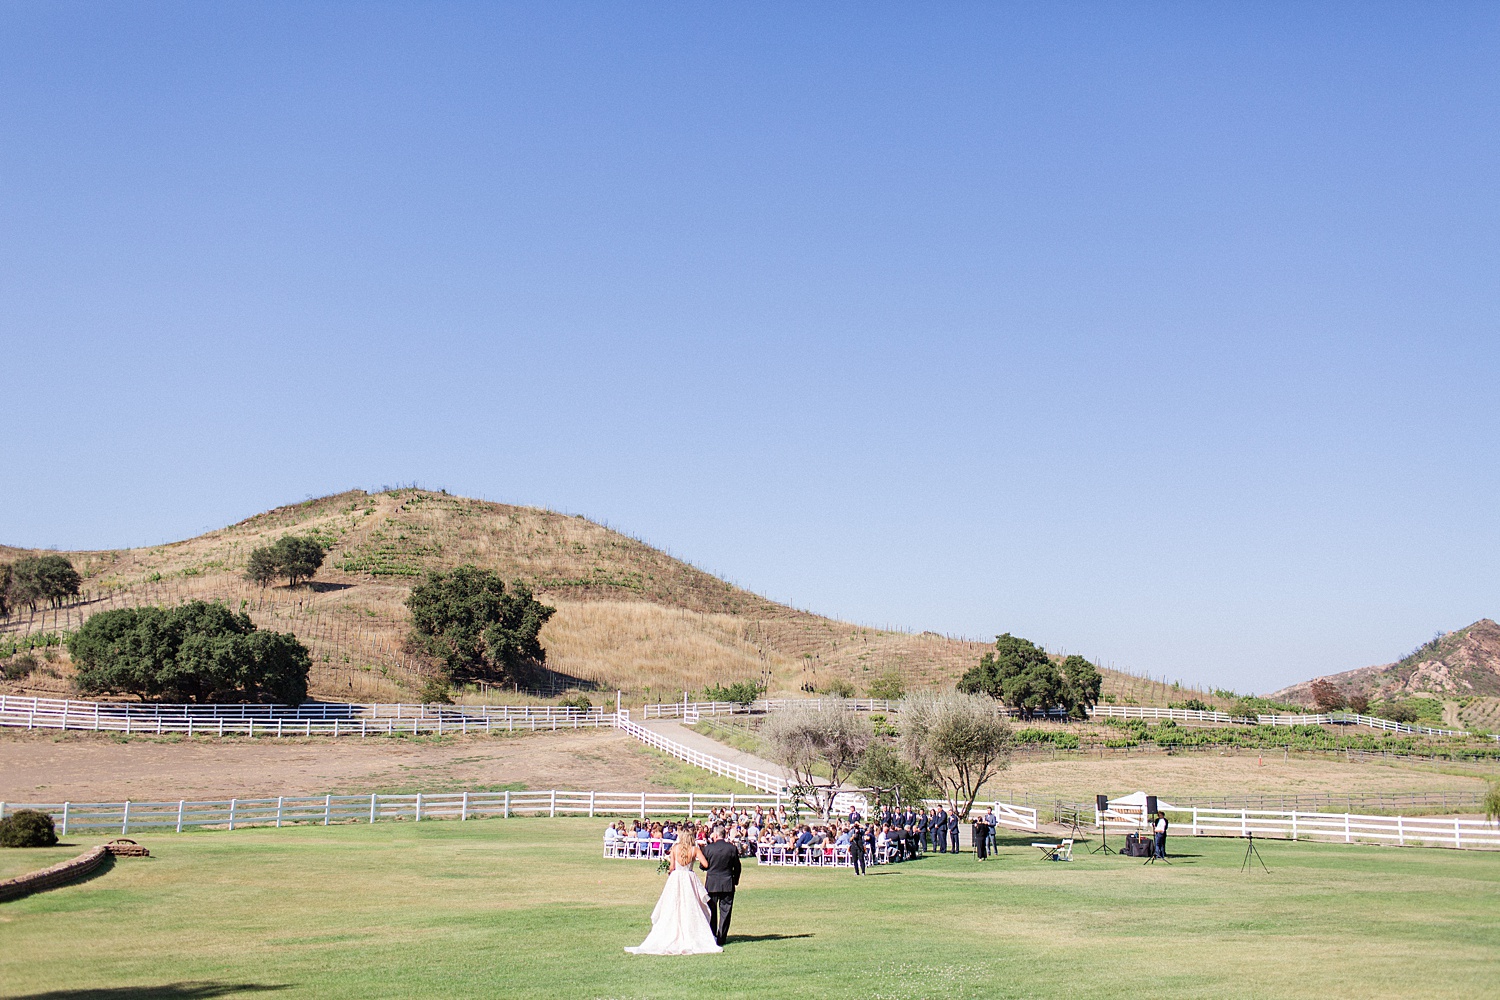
x,y
1101,802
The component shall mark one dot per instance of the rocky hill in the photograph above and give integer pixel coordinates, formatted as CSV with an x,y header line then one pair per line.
x,y
1459,665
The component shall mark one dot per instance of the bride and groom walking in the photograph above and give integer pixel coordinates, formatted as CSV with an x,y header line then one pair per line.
x,y
692,917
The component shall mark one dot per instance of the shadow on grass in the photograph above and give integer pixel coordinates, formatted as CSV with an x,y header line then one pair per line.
x,y
735,938
168,991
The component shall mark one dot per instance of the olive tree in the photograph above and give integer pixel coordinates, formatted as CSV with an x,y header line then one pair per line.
x,y
821,744
956,741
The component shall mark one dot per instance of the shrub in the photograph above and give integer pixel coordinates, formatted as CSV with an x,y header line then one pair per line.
x,y
27,828
839,688
1399,711
1359,704
435,692
1326,696
579,701
20,667
194,652
740,692
889,686
1492,802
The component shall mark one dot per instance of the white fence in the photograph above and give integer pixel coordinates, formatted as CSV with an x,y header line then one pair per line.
x,y
760,706
1177,714
1438,831
1326,719
328,809
281,720
744,775
1355,719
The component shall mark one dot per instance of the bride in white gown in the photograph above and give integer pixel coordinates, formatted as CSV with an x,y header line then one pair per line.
x,y
679,924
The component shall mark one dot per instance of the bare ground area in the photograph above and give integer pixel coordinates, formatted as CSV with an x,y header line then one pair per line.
x,y
98,768
1231,775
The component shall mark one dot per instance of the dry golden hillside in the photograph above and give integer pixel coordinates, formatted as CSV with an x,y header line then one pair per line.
x,y
629,617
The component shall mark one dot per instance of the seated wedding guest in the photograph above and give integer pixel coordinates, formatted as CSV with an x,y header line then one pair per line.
x,y
611,834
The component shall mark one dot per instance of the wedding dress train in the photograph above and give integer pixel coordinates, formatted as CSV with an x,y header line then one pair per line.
x,y
679,923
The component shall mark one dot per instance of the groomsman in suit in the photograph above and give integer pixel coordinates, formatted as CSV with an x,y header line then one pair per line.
x,y
953,830
857,848
720,878
923,835
940,830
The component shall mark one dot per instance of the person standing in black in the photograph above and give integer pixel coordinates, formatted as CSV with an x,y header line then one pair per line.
x,y
922,834
857,849
940,831
953,830
1160,829
981,839
721,875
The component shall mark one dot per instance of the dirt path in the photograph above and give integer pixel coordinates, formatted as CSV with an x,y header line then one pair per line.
x,y
89,767
674,730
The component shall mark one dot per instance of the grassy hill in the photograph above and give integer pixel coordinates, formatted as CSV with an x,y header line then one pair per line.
x,y
629,616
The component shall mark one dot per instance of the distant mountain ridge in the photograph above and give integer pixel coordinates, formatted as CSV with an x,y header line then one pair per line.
x,y
1460,664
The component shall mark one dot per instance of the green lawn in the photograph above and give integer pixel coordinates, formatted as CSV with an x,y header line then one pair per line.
x,y
511,908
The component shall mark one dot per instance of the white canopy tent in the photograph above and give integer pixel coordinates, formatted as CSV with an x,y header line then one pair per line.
x,y
1129,812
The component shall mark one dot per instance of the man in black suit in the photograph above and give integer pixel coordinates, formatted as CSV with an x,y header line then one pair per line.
x,y
953,830
857,848
940,831
720,878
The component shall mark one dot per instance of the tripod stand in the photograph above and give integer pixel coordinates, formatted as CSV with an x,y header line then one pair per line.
x,y
1104,841
1153,859
1250,852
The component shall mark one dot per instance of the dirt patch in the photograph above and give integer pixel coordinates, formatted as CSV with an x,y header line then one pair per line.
x,y
98,768
1212,774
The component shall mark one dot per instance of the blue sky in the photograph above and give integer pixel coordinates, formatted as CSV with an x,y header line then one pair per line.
x,y
1157,332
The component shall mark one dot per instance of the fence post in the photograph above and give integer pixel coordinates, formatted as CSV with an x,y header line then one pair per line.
x,y
279,803
690,805
180,804
731,800
463,811
1195,820
643,805
505,813
65,819
552,806
1347,838
1401,830
125,819
1458,836
591,804
327,807
232,804
372,808
419,808
1294,824
1244,822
